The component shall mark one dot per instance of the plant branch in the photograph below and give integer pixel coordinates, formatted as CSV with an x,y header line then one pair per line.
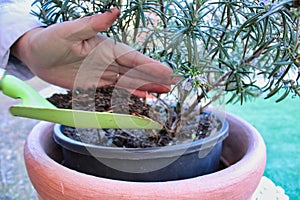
x,y
200,110
297,35
259,51
245,47
202,95
224,32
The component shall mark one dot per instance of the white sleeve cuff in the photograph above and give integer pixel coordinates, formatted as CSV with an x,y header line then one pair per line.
x,y
15,20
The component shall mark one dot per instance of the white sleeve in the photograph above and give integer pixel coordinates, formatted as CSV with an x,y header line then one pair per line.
x,y
15,20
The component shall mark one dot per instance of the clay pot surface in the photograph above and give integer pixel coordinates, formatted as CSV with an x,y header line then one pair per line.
x,y
244,150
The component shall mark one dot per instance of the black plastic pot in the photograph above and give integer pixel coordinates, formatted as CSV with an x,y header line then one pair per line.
x,y
144,164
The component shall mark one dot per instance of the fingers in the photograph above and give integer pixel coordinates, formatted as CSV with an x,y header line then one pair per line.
x,y
141,66
136,78
141,84
132,84
123,60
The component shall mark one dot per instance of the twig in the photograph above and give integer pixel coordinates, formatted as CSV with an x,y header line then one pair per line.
x,y
199,97
223,33
297,35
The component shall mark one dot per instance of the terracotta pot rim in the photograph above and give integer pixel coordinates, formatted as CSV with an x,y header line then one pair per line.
x,y
237,182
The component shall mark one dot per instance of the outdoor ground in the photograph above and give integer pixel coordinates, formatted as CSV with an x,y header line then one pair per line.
x,y
278,124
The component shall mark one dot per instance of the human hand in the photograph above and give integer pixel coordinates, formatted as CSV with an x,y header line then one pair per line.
x,y
72,54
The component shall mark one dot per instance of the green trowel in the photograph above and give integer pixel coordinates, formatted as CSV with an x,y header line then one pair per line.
x,y
37,107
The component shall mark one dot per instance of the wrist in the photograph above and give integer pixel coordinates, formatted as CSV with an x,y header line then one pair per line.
x,y
21,48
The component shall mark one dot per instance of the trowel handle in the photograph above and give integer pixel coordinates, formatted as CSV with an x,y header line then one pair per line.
x,y
16,88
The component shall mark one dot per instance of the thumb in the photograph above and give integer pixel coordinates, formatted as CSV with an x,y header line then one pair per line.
x,y
87,27
102,22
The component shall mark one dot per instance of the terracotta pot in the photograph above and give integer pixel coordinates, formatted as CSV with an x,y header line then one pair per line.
x,y
244,150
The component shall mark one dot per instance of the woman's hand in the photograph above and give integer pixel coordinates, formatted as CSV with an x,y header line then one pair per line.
x,y
73,54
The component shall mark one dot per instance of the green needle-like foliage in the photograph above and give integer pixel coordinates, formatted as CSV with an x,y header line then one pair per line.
x,y
244,48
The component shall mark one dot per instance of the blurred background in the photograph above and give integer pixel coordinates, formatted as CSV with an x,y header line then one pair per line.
x,y
278,124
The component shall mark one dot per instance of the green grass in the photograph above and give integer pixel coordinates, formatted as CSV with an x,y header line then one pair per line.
x,y
278,124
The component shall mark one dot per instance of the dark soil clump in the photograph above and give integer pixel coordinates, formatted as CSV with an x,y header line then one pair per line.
x,y
120,101
101,100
